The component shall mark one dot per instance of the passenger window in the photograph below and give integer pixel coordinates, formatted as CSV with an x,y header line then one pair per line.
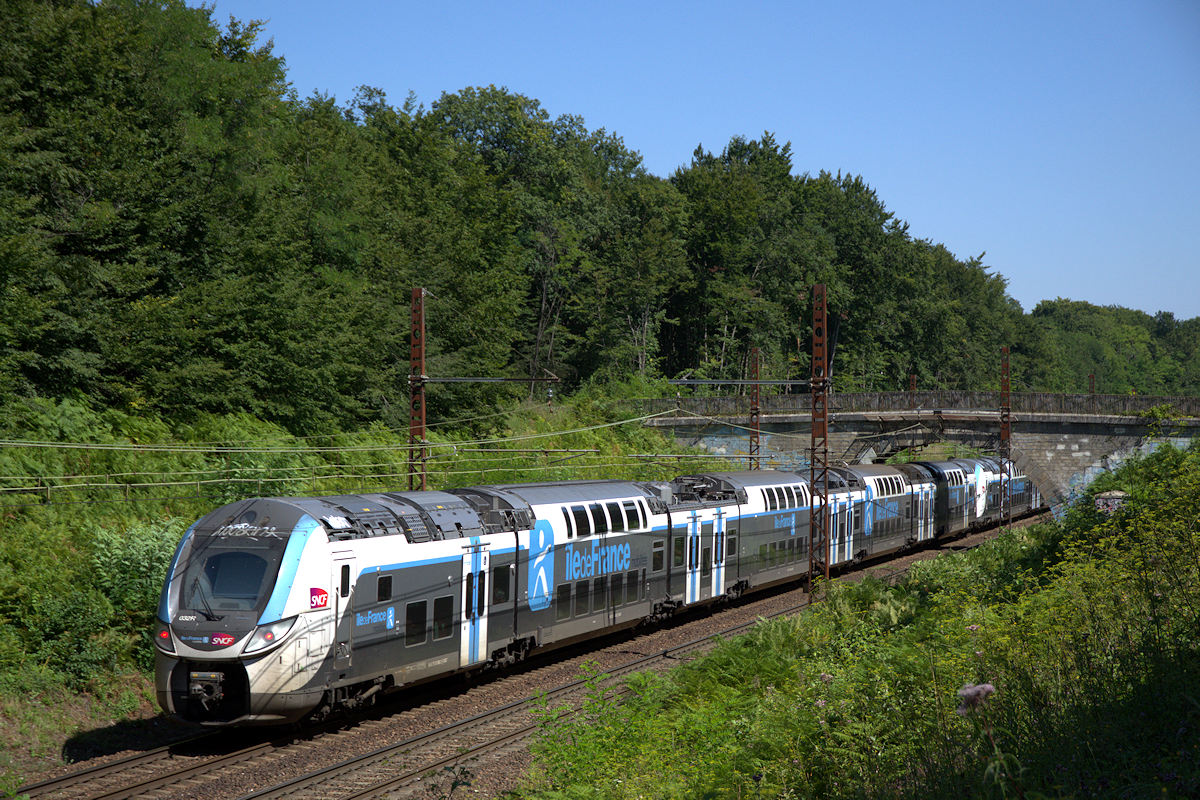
x,y
582,523
763,557
616,590
570,523
790,494
706,562
631,515
598,594
562,602
614,514
345,588
631,586
468,594
732,547
384,588
443,617
658,558
501,576
677,556
582,606
599,523
414,623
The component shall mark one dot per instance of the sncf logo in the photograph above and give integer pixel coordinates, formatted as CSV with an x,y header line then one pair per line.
x,y
318,598
222,639
541,565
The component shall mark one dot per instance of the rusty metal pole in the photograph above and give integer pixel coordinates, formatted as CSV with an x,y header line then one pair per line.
x,y
754,410
416,393
818,510
1005,438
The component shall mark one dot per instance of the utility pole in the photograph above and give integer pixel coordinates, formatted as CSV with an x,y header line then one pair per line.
x,y
416,392
754,410
818,510
417,380
1005,439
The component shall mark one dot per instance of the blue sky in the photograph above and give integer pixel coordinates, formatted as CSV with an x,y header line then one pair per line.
x,y
1062,139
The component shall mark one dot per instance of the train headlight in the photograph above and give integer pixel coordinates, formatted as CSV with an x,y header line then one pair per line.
x,y
268,635
162,638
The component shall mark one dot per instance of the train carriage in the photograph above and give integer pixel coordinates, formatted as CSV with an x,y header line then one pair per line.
x,y
278,608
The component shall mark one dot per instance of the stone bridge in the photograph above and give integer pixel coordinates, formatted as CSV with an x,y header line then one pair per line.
x,y
1061,441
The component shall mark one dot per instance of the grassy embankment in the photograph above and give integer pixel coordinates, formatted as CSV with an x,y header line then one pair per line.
x,y
1061,660
85,544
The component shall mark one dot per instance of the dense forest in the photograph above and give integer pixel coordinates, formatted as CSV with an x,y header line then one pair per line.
x,y
181,233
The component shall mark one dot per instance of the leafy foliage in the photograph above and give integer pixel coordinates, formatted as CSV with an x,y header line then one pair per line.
x,y
183,234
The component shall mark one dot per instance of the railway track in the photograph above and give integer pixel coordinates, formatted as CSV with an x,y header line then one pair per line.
x,y
398,769
403,767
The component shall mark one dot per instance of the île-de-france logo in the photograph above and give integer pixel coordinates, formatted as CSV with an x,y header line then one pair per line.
x,y
541,565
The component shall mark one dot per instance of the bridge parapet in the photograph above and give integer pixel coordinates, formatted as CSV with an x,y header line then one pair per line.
x,y
1117,405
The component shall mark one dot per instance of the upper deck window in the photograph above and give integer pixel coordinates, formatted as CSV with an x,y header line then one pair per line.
x,y
614,514
599,523
583,524
632,522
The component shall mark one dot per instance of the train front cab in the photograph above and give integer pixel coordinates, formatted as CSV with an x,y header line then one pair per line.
x,y
231,644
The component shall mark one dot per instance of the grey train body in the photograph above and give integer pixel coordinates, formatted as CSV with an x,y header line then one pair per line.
x,y
275,609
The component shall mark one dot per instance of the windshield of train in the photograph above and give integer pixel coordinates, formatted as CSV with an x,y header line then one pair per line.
x,y
229,569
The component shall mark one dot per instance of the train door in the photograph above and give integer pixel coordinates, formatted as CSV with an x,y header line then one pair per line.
x,y
835,538
692,579
849,530
922,500
344,578
731,564
718,545
473,632
841,548
677,574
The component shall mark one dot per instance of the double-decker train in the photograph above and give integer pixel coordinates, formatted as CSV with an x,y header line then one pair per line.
x,y
279,608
